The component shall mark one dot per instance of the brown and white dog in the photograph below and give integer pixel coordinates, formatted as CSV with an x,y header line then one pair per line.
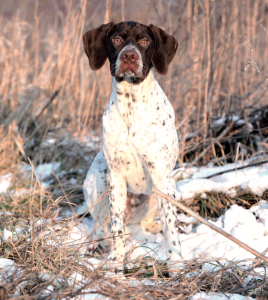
x,y
140,145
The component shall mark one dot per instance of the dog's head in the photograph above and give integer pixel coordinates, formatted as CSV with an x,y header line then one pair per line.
x,y
132,48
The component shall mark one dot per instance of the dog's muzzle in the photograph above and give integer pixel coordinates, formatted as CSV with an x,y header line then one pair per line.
x,y
129,57
129,65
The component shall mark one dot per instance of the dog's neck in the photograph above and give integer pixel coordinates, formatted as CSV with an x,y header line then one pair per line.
x,y
132,93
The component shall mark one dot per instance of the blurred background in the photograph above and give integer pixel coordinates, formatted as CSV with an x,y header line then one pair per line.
x,y
51,102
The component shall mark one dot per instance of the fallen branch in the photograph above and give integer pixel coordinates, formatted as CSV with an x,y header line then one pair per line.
x,y
202,220
235,169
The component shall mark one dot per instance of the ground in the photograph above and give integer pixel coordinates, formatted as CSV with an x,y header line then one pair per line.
x,y
44,245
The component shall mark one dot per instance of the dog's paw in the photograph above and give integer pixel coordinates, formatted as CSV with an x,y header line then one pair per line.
x,y
175,264
150,225
116,262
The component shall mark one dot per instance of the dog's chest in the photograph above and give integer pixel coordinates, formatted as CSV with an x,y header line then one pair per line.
x,y
137,123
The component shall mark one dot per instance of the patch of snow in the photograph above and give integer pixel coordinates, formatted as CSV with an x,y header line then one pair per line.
x,y
19,192
253,178
7,234
49,289
148,282
203,195
76,279
91,141
73,181
42,171
237,217
93,263
188,136
93,296
219,122
8,268
4,262
207,243
203,241
222,121
46,184
48,142
212,296
45,170
5,182
261,270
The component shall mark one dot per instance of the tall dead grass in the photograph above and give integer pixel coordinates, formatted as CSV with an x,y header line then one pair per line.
x,y
41,53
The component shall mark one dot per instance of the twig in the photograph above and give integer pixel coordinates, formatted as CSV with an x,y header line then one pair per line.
x,y
235,169
202,220
258,261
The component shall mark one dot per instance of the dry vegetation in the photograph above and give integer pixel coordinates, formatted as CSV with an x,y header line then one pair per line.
x,y
47,91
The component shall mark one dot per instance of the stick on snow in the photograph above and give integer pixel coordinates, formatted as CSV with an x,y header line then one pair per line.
x,y
202,220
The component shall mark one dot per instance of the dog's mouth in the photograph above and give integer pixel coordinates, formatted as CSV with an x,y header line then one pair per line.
x,y
129,73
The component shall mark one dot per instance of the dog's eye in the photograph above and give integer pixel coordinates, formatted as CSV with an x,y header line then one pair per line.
x,y
144,42
117,40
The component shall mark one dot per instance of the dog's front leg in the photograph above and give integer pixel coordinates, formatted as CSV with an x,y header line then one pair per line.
x,y
118,205
168,218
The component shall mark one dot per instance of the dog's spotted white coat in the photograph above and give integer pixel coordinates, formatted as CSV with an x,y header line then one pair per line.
x,y
140,148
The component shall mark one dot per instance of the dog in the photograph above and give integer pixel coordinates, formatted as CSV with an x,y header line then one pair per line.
x,y
139,139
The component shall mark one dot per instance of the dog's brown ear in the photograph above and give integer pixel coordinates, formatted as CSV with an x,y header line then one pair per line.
x,y
165,49
94,45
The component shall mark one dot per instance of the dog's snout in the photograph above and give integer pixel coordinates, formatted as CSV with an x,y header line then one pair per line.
x,y
129,56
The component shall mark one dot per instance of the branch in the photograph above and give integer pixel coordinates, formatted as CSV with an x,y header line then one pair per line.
x,y
202,220
235,169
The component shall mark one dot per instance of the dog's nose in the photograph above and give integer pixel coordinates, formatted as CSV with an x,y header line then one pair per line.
x,y
129,56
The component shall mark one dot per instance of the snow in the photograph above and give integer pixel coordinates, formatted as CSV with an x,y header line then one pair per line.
x,y
222,121
237,221
201,242
44,170
94,296
212,296
197,240
92,141
48,142
5,182
8,268
252,178
4,262
7,234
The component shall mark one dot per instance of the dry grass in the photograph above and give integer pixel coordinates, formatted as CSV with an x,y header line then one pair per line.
x,y
48,93
47,262
52,267
212,204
